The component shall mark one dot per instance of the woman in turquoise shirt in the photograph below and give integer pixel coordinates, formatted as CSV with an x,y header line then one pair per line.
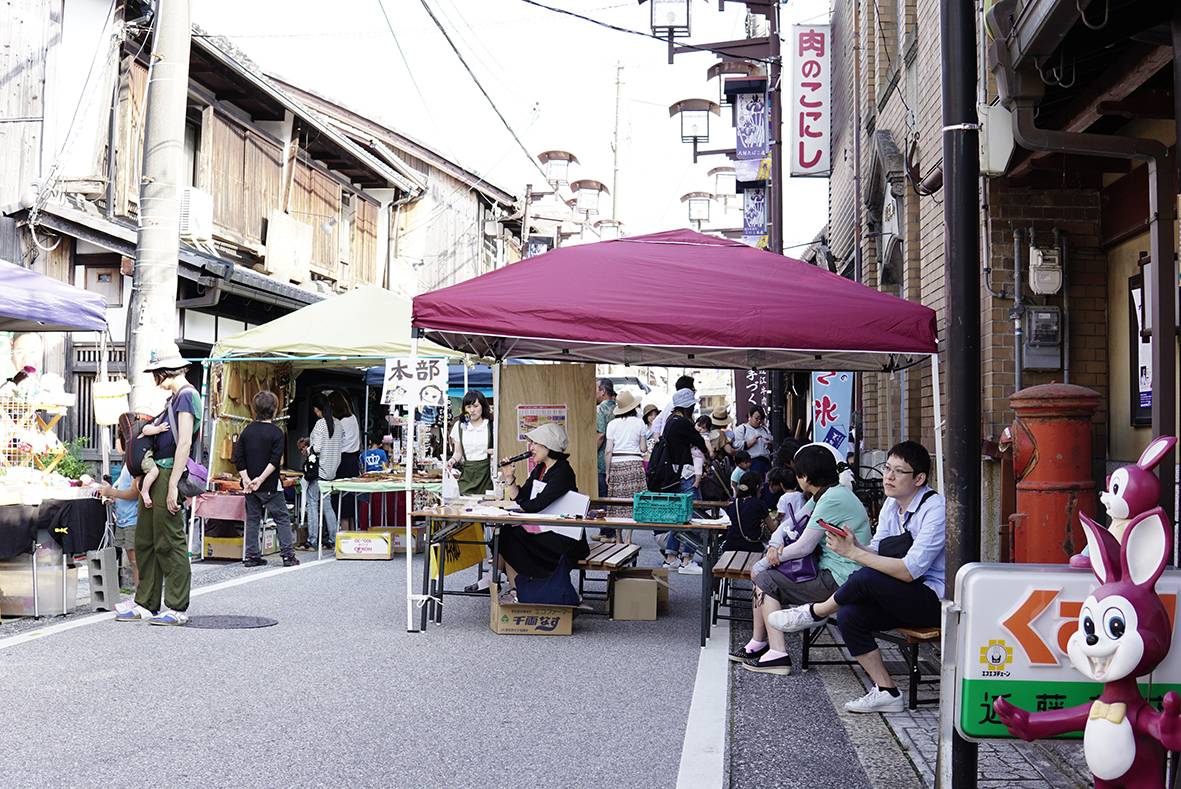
x,y
817,474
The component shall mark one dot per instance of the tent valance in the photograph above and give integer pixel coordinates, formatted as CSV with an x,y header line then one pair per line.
x,y
677,298
33,302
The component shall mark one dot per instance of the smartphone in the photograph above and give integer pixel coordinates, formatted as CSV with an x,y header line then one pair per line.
x,y
828,527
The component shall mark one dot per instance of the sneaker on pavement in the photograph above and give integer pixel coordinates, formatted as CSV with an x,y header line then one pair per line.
x,y
692,568
673,565
740,654
255,561
792,620
169,617
876,701
779,665
290,561
136,613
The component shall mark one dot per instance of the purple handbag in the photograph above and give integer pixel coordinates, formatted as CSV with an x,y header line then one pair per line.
x,y
803,569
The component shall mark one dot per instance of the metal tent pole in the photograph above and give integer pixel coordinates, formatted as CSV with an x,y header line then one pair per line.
x,y
409,461
939,461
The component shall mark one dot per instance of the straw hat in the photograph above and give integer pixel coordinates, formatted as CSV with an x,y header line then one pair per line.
x,y
648,409
550,435
166,357
625,403
720,416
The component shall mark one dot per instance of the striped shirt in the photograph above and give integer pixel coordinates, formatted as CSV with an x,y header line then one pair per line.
x,y
328,448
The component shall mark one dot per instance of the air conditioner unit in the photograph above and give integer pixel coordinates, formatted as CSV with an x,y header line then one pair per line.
x,y
196,214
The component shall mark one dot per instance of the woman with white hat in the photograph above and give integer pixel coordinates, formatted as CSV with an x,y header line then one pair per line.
x,y
537,554
624,456
161,548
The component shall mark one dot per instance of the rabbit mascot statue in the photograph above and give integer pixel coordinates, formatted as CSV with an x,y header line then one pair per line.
x,y
1123,633
1131,491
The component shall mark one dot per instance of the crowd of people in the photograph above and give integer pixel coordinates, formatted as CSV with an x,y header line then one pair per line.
x,y
820,556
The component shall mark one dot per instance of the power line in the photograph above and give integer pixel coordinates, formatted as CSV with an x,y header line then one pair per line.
x,y
629,31
479,85
410,72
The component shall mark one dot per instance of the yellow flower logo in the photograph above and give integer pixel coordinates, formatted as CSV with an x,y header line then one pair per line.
x,y
996,654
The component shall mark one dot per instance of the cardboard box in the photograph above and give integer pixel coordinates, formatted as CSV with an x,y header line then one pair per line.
x,y
397,537
634,599
231,547
657,574
364,545
527,619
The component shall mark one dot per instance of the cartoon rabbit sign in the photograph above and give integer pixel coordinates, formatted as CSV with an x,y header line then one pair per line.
x,y
1131,491
1124,633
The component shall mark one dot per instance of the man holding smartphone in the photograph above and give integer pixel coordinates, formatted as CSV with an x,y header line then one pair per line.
x,y
901,580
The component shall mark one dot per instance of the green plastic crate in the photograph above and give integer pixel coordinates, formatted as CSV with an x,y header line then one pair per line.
x,y
662,507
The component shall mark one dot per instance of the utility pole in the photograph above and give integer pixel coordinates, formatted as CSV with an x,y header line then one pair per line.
x,y
152,317
961,250
778,381
615,145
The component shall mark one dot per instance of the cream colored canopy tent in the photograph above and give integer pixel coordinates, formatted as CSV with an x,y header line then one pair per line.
x,y
366,323
355,329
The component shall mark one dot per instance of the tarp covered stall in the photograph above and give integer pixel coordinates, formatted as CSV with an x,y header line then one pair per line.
x,y
32,302
354,329
644,301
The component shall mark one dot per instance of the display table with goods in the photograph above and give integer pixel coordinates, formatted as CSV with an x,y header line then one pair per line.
x,y
442,523
46,516
425,485
217,520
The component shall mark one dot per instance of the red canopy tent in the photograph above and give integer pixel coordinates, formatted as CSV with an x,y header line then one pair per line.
x,y
677,299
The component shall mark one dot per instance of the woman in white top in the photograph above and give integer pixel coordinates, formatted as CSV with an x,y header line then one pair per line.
x,y
350,450
325,443
471,440
755,438
623,456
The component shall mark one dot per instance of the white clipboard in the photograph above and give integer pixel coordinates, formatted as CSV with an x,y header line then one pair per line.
x,y
572,503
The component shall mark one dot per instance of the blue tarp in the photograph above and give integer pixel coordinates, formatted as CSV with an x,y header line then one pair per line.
x,y
33,302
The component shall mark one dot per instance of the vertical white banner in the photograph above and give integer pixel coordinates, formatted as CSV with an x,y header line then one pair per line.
x,y
810,114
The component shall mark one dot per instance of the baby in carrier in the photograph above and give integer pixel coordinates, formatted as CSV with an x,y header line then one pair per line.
x,y
140,460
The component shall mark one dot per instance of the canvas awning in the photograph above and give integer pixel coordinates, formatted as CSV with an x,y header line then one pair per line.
x,y
368,323
677,299
34,302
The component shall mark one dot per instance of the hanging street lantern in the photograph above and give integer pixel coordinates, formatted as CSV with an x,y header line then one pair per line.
x,y
725,180
557,166
694,115
698,203
730,68
609,229
586,195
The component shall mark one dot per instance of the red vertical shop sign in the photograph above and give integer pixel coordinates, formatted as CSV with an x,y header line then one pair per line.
x,y
810,113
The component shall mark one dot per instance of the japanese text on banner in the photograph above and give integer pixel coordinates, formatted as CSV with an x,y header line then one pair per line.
x,y
832,405
414,381
810,112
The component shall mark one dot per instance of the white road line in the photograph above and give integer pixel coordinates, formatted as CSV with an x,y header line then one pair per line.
x,y
704,752
51,630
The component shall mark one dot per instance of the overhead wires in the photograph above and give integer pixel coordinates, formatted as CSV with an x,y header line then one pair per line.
x,y
430,12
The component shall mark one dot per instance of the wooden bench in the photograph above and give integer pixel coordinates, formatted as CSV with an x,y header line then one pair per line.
x,y
907,639
606,557
730,568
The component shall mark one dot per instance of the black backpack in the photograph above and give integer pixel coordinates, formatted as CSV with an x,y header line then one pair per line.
x,y
715,482
662,474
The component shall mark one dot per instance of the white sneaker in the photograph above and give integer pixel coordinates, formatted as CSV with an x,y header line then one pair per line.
x,y
876,701
170,617
792,620
692,568
671,565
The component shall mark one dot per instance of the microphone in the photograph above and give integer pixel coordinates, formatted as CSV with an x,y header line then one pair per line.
x,y
515,459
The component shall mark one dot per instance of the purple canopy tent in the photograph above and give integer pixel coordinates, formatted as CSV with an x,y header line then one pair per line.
x,y
33,302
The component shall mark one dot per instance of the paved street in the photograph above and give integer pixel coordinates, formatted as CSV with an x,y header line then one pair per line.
x,y
338,691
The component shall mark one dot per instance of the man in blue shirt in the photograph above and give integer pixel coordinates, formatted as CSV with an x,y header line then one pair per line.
x,y
901,580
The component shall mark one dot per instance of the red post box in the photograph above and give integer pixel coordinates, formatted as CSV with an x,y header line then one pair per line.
x,y
1051,437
